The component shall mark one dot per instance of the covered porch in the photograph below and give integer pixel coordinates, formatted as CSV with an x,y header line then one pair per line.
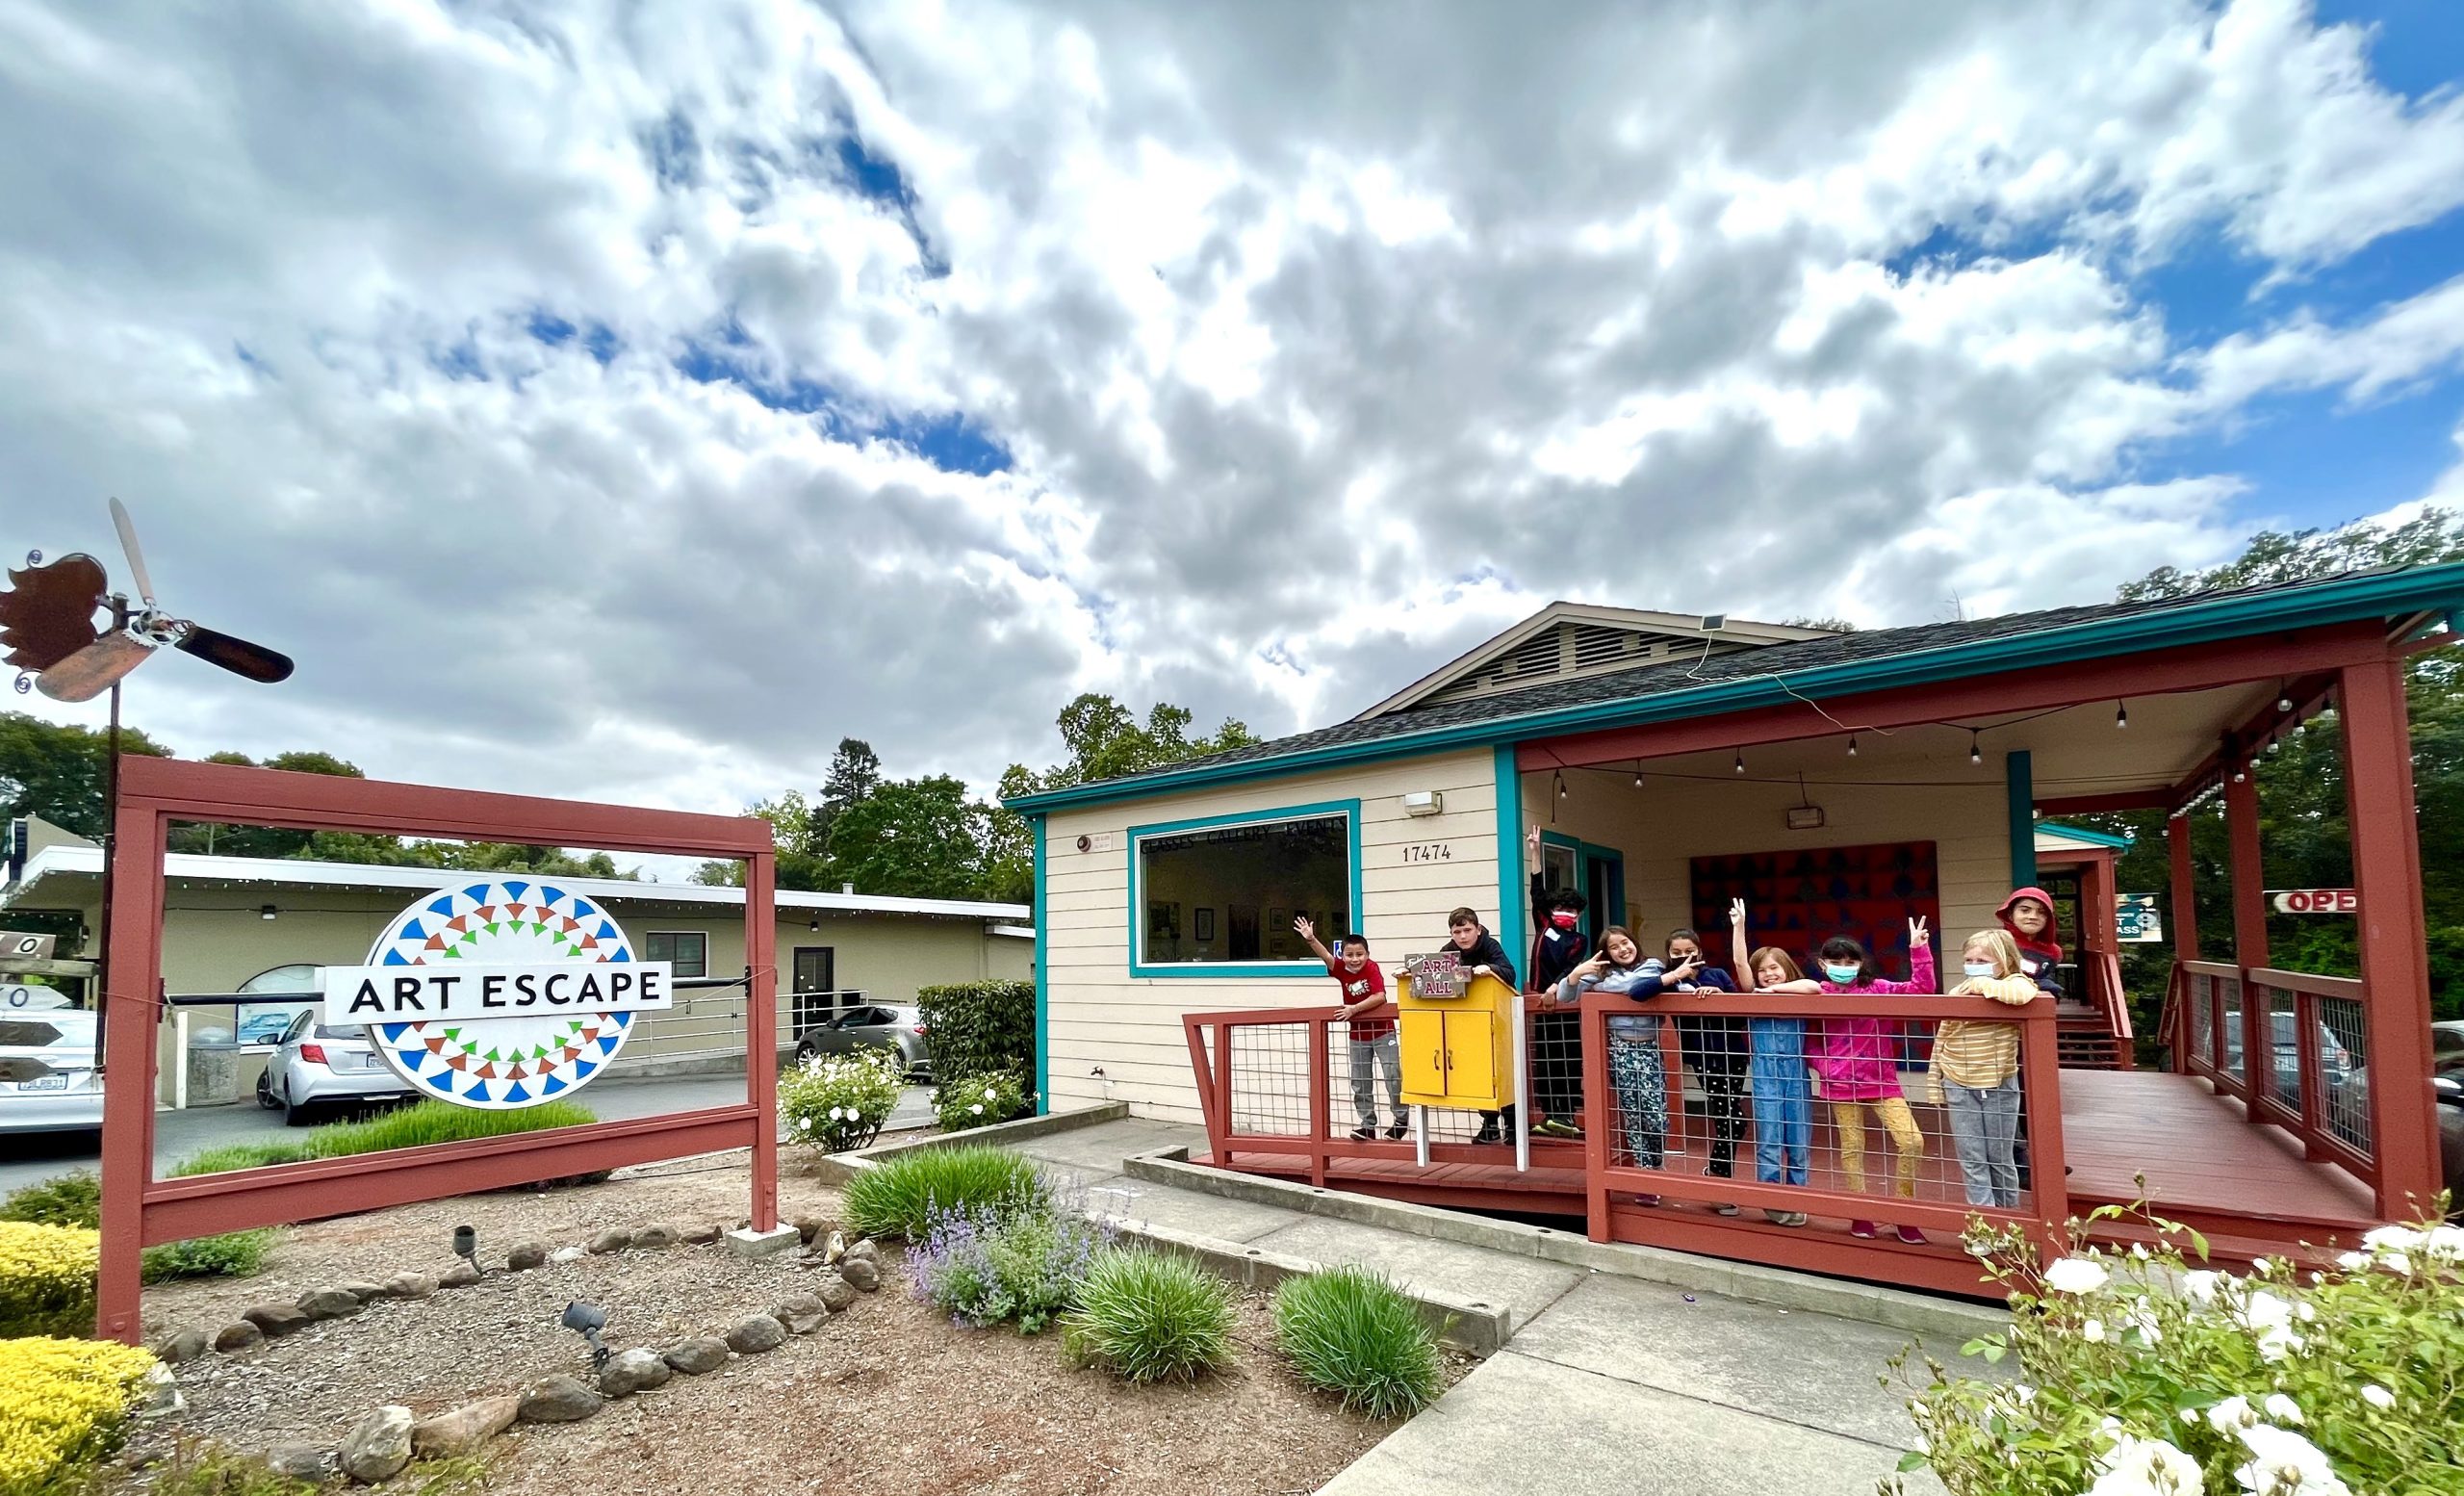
x,y
1850,813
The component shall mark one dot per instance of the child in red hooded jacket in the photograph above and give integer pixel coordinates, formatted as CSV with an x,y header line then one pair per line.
x,y
2028,915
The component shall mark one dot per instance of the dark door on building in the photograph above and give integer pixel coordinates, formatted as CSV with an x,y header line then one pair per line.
x,y
814,985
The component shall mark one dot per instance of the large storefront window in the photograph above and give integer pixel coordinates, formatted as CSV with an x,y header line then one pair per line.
x,y
1223,894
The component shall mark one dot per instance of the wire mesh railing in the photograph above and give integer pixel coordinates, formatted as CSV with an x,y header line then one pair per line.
x,y
2297,1058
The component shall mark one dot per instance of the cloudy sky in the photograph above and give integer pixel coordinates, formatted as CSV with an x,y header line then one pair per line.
x,y
627,399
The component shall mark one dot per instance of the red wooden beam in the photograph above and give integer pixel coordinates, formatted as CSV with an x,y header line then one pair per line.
x,y
2196,667
2395,965
2160,798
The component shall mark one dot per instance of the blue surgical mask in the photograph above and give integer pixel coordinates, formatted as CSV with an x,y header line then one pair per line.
x,y
1978,968
1843,975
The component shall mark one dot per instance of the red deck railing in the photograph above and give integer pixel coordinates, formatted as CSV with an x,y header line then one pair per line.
x,y
2289,1045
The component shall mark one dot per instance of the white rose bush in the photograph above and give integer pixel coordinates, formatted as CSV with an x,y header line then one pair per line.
x,y
966,1101
834,1102
2138,1374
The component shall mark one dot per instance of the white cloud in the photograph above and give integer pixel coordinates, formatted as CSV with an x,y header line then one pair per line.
x,y
1320,349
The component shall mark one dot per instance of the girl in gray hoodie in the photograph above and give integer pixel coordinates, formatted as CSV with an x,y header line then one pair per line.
x,y
1634,1065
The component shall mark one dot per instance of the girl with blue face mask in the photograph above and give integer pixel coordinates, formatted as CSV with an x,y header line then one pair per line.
x,y
1857,1060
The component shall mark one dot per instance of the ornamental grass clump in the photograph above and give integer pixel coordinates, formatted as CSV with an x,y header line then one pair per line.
x,y
836,1102
898,1196
1150,1316
986,1267
47,1279
63,1402
1352,1331
2141,1375
980,1100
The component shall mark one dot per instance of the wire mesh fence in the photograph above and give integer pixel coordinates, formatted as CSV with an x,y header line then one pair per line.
x,y
2343,1079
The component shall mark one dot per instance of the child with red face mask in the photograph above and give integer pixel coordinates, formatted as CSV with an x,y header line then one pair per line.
x,y
1556,1037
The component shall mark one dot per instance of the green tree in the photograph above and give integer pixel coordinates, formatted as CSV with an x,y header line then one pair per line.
x,y
911,838
854,773
261,841
56,771
2304,837
803,859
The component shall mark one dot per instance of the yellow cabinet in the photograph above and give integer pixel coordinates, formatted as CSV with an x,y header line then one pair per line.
x,y
1458,1051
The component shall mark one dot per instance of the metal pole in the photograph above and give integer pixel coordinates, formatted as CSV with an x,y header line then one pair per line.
x,y
1522,1094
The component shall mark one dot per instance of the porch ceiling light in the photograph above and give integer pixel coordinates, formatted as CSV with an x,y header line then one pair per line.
x,y
2121,714
266,911
1740,763
2284,704
1852,745
1975,747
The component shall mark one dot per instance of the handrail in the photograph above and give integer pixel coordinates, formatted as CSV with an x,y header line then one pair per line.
x,y
2346,987
2116,1000
2307,1117
2210,968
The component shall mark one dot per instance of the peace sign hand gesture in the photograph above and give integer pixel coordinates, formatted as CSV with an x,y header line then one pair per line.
x,y
1916,932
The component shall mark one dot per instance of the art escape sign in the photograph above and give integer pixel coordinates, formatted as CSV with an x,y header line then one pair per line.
x,y
498,995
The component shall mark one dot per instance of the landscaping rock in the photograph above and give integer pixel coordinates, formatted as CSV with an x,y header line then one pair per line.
x,y
460,1275
379,1447
863,1249
240,1336
801,1313
330,1304
409,1285
700,1355
160,1394
558,1399
837,1251
183,1345
755,1333
834,1291
657,1238
860,1274
523,1256
808,1227
276,1320
567,1255
301,1461
464,1429
702,1235
368,1293
633,1371
616,1238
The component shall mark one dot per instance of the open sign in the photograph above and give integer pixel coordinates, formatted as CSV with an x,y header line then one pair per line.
x,y
2316,901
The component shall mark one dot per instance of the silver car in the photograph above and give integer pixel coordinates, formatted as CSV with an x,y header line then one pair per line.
x,y
872,1027
48,1079
318,1063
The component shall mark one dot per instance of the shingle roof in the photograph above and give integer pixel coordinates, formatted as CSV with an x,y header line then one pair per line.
x,y
1669,677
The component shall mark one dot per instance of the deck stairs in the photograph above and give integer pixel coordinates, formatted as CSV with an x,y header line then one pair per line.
x,y
2086,1039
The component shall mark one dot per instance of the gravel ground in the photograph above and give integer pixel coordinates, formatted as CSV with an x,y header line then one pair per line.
x,y
889,1398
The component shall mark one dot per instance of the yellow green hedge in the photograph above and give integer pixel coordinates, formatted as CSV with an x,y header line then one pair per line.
x,y
47,1279
60,1401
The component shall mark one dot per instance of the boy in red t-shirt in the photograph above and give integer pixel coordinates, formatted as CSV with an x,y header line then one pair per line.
x,y
1372,1040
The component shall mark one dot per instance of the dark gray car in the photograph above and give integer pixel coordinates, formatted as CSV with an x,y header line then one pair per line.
x,y
872,1026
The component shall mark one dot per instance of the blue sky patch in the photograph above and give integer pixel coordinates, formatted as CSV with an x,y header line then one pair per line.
x,y
949,440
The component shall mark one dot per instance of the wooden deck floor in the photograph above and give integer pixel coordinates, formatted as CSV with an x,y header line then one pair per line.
x,y
2249,1187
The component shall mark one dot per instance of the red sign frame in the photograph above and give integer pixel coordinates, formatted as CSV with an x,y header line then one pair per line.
x,y
140,1210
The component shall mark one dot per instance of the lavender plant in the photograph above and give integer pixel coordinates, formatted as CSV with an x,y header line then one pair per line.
x,y
992,1265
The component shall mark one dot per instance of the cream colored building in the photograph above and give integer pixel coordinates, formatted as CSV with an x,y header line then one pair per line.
x,y
253,927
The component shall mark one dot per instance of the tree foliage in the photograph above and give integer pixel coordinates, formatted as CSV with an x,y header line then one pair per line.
x,y
56,771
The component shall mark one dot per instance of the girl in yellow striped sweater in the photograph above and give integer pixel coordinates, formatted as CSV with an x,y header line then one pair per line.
x,y
1975,1071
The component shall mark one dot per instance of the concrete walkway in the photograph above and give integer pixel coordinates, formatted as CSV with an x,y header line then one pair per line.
x,y
1604,1383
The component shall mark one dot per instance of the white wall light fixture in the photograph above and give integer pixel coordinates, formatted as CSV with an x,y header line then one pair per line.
x,y
1423,802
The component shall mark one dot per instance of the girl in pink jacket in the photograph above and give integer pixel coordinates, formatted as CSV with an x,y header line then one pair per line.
x,y
1856,1062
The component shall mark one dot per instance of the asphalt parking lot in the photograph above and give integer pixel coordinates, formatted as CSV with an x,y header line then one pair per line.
x,y
28,1157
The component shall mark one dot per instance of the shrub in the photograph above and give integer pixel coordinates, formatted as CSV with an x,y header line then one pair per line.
x,y
979,1101
1351,1330
229,1156
840,1102
62,1402
898,1196
47,1279
70,1200
232,1255
982,1028
2138,1377
76,1199
987,1267
1149,1316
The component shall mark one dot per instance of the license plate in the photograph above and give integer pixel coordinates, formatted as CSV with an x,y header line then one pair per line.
x,y
354,1062
45,1083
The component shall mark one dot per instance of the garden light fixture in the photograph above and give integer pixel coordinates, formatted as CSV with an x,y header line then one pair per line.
x,y
466,1246
587,1320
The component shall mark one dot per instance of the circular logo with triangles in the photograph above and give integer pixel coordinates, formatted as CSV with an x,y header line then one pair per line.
x,y
502,1056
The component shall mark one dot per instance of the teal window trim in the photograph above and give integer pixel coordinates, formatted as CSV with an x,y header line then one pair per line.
x,y
2018,777
1586,853
1514,886
1043,982
1230,970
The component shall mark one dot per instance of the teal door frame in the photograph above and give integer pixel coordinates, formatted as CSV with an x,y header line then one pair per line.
x,y
1587,856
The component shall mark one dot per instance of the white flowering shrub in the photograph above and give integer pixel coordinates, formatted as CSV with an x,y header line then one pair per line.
x,y
967,1101
2141,1375
839,1102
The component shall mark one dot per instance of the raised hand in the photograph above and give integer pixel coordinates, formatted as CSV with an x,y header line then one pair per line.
x,y
1915,932
1736,914
1303,928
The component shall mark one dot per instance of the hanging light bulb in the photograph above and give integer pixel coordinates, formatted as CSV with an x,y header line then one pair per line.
x,y
1740,763
1639,779
2284,704
1561,786
1852,745
2239,775
1975,749
2275,743
2121,714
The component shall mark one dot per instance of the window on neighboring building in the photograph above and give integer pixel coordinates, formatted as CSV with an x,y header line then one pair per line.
x,y
1226,891
686,951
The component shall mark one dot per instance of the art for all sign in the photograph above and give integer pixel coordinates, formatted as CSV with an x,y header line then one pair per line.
x,y
499,994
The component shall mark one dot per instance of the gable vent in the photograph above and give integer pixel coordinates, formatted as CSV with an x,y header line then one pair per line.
x,y
1595,645
1538,657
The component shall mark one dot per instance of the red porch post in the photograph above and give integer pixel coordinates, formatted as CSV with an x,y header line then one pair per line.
x,y
2177,843
2394,963
2249,918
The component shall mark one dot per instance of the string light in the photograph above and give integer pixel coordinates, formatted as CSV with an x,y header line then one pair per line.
x,y
1561,785
1740,763
2275,743
1639,779
2284,704
2240,776
2121,714
1975,749
1852,745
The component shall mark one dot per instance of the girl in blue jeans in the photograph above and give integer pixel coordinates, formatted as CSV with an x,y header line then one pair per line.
x,y
1783,1097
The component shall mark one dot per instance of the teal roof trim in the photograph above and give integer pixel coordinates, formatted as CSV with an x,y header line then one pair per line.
x,y
2074,833
2378,594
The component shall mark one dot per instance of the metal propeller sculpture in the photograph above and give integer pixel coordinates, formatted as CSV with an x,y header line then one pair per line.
x,y
48,628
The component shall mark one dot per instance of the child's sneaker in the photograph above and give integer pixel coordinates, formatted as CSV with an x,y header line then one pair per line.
x,y
1784,1217
1911,1235
1862,1230
1400,1131
1557,1128
1488,1132
1365,1134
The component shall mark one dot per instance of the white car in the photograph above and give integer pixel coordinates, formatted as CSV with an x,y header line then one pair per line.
x,y
318,1063
48,1080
